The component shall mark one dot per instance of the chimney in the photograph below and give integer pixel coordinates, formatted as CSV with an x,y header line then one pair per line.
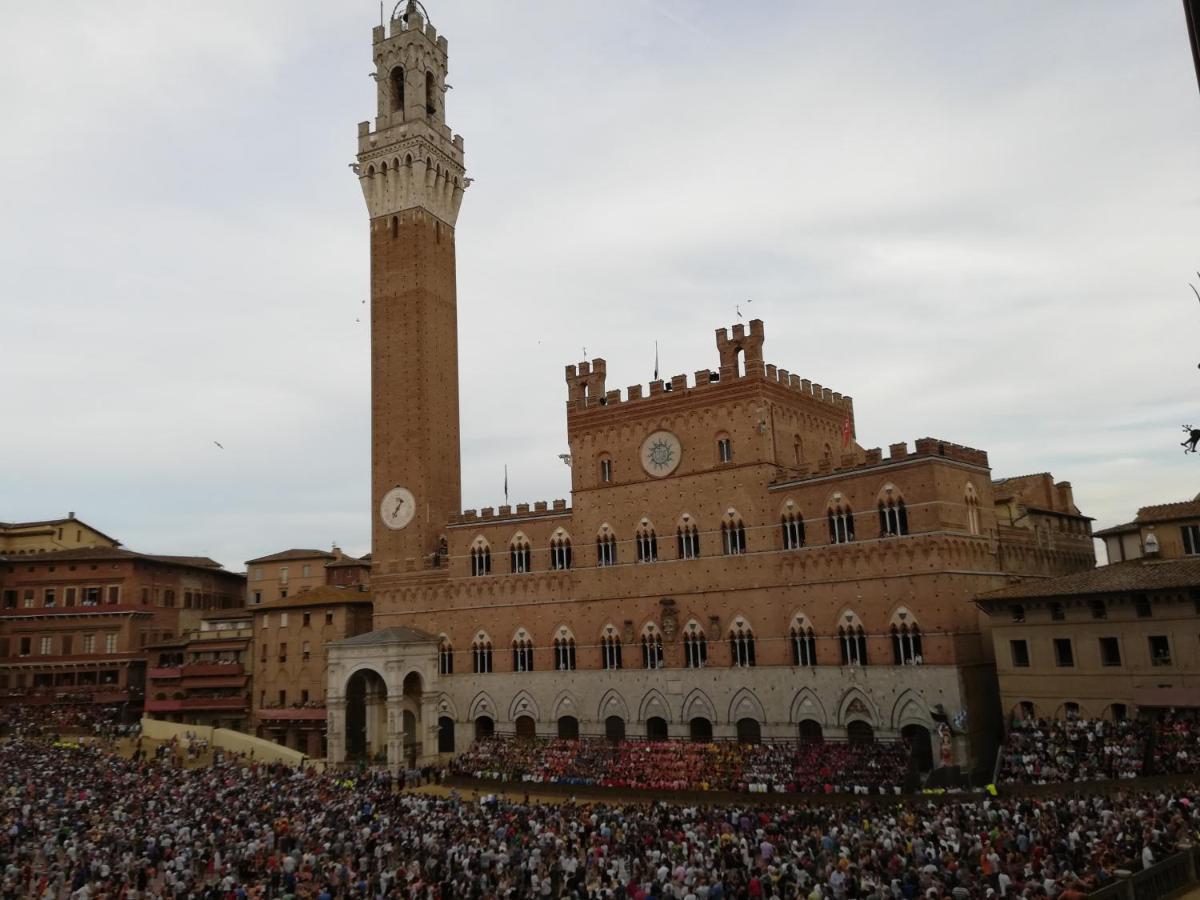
x,y
71,514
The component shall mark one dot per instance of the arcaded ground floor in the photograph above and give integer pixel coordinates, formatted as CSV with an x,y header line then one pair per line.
x,y
386,701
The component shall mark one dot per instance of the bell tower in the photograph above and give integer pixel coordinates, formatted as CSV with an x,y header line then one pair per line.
x,y
410,167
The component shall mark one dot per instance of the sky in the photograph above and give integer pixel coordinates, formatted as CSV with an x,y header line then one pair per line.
x,y
979,220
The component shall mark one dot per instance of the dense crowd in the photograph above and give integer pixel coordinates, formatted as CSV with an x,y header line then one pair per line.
x,y
1177,743
786,767
1040,751
64,718
77,823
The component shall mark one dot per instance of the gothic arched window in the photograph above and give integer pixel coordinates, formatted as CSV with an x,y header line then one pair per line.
x,y
652,648
560,553
606,549
647,543
688,539
610,648
397,84
430,91
695,647
741,646
522,653
481,558
564,653
841,524
481,654
520,556
893,516
792,525
804,643
853,641
733,536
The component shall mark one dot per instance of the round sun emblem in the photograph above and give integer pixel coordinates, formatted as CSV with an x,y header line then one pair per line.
x,y
660,454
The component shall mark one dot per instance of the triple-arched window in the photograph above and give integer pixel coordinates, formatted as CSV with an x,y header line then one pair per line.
x,y
606,548
522,653
652,648
687,536
906,644
445,657
481,558
853,641
841,524
481,654
610,648
564,651
733,536
804,643
741,645
792,525
520,555
893,516
647,543
560,553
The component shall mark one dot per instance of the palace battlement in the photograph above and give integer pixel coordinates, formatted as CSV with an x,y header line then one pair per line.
x,y
586,387
503,513
924,448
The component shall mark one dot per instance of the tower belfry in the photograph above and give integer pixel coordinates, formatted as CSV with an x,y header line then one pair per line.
x,y
410,166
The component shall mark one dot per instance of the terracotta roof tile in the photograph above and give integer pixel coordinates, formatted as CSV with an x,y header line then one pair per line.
x,y
285,555
325,595
1115,578
1163,512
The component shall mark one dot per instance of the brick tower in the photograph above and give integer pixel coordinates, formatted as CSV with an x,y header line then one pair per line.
x,y
411,170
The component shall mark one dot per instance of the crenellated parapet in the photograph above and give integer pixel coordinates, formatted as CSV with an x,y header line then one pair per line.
x,y
507,513
410,158
924,448
586,381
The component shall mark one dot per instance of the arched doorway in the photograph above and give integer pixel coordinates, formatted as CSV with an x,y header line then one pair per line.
x,y
410,738
749,731
526,728
445,734
614,729
811,732
485,727
656,728
920,744
568,728
860,732
414,745
366,715
700,729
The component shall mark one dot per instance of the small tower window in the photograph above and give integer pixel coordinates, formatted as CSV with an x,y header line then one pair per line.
x,y
398,90
724,450
606,470
430,89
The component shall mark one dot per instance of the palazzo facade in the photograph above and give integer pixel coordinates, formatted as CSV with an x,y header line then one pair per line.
x,y
733,562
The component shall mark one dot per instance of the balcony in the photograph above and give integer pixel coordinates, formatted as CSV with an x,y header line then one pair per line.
x,y
165,672
292,714
196,703
203,670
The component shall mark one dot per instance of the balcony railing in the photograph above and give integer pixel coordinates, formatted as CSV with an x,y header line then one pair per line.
x,y
186,703
203,670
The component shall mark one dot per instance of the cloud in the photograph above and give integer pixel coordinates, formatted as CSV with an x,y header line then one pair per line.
x,y
976,222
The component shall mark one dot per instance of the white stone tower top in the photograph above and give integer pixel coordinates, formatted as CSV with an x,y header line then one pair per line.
x,y
410,159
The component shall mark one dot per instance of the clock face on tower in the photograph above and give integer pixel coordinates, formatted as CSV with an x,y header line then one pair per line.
x,y
660,454
397,508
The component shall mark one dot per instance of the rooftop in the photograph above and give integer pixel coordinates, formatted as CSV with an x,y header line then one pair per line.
x,y
87,554
285,555
1159,512
54,523
325,595
397,634
1116,578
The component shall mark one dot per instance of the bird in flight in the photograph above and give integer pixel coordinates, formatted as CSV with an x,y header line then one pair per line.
x,y
219,444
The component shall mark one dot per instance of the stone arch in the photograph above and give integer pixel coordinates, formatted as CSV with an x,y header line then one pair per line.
x,y
745,704
698,704
392,687
807,705
446,706
566,704
654,704
482,704
612,704
523,704
910,709
856,705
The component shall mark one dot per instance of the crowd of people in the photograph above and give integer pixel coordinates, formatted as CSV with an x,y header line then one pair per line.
x,y
1177,743
1048,751
81,824
98,720
875,767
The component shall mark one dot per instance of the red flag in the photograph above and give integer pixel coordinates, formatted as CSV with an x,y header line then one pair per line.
x,y
846,431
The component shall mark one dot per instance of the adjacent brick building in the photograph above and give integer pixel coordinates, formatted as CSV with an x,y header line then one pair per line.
x,y
734,562
77,622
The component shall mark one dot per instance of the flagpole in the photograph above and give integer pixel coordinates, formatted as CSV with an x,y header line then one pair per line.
x,y
506,484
